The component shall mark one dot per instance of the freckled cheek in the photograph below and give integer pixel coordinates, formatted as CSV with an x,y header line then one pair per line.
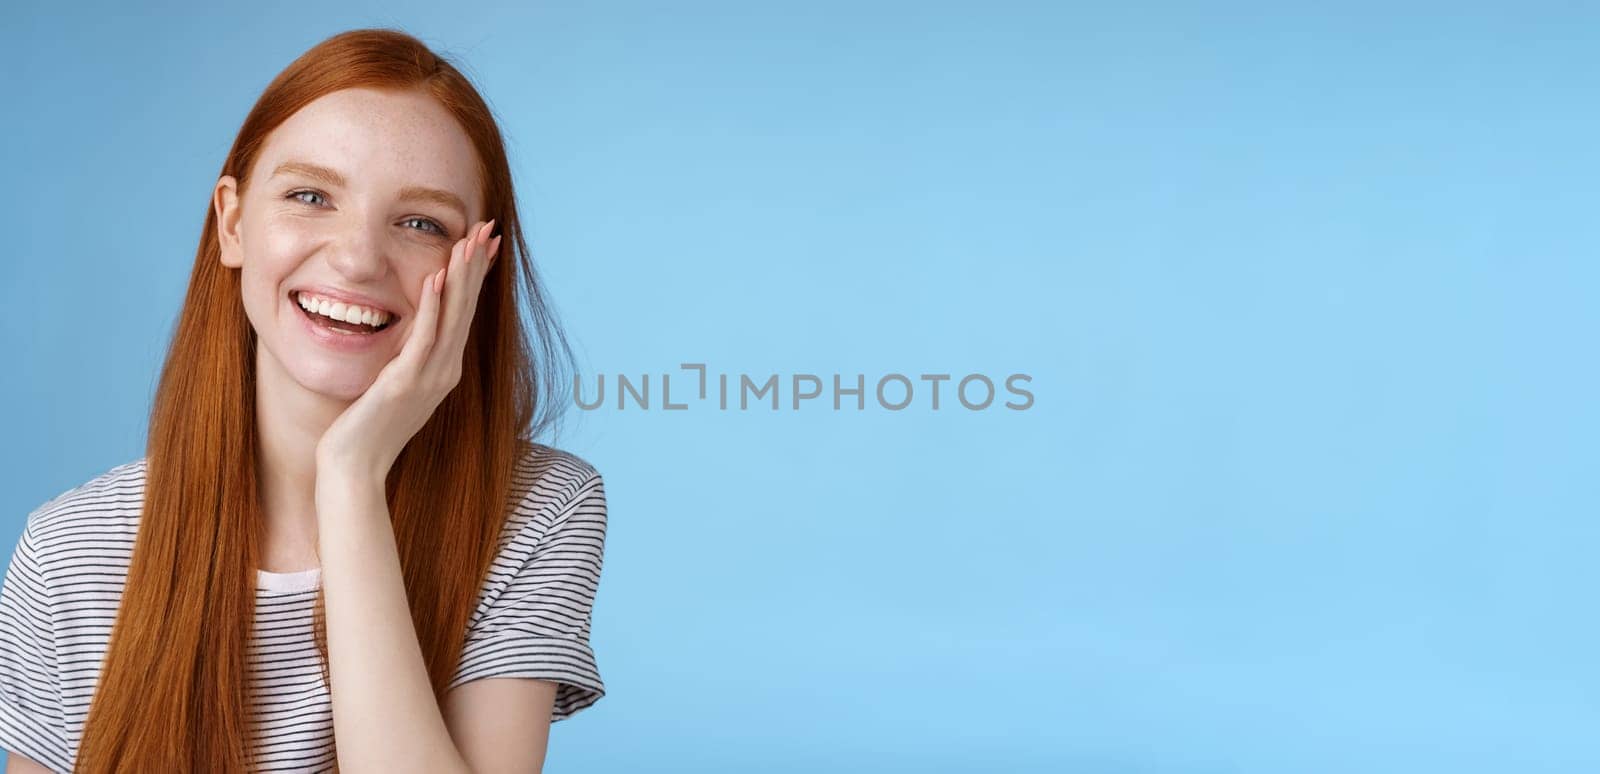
x,y
417,274
414,283
289,239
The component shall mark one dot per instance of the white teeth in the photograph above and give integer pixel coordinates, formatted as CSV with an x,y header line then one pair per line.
x,y
350,313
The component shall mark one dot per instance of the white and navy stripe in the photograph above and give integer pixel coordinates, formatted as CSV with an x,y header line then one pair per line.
x,y
65,580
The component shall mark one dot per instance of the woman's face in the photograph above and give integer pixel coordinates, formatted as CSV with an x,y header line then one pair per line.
x,y
360,195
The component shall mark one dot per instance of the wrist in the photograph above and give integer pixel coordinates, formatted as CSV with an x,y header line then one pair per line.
x,y
346,466
348,485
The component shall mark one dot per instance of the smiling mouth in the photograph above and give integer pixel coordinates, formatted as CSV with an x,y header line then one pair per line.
x,y
340,325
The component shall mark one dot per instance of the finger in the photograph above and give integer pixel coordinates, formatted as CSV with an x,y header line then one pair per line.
x,y
480,237
460,295
424,330
455,291
457,299
481,276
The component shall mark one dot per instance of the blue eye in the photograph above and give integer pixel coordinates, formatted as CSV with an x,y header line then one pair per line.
x,y
295,194
437,229
433,227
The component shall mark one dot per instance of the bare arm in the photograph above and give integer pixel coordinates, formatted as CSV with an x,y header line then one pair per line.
x,y
384,715
21,764
502,724
385,718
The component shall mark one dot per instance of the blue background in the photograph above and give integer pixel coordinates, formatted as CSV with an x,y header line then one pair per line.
x,y
1307,295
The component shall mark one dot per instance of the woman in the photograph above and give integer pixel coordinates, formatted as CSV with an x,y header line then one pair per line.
x,y
366,548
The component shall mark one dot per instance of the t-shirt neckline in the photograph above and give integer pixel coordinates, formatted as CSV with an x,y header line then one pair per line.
x,y
285,582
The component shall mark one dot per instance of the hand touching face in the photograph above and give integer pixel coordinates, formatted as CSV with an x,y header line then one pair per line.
x,y
354,200
363,443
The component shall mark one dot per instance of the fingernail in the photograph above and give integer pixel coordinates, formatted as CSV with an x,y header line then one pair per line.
x,y
438,281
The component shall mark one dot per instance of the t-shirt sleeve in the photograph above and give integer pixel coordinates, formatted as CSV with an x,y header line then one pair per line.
x,y
31,721
535,619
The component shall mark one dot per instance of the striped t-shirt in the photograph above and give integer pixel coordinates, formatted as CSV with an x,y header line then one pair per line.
x,y
66,575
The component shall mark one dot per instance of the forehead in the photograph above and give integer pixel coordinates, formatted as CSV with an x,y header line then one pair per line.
x,y
380,141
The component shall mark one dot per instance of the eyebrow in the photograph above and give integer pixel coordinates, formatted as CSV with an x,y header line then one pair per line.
x,y
411,193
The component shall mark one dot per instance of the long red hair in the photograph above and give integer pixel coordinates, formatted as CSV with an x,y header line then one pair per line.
x,y
172,695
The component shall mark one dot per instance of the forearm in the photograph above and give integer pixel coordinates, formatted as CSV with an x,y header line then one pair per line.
x,y
385,717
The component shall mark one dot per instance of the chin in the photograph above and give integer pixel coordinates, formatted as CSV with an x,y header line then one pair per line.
x,y
344,386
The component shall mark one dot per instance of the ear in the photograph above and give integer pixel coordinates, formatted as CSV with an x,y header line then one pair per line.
x,y
225,200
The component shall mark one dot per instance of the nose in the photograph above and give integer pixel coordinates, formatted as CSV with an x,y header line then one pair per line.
x,y
359,255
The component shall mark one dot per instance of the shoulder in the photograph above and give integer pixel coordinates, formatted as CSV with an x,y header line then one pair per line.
x,y
547,475
109,494
550,487
104,509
